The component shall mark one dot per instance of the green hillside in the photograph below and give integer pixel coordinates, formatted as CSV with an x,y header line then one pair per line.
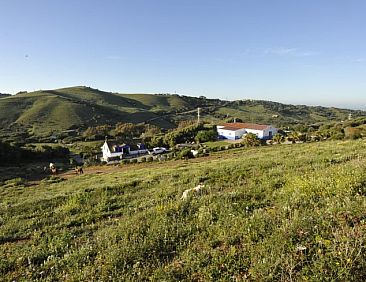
x,y
44,112
48,111
159,102
282,114
277,213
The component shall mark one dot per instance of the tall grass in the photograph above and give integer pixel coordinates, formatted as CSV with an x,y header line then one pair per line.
x,y
266,214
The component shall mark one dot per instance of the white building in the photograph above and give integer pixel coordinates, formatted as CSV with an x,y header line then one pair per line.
x,y
113,151
237,130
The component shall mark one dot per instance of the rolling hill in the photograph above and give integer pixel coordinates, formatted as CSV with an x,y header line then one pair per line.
x,y
47,111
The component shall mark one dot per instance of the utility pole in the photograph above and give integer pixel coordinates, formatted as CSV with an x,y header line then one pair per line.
x,y
198,116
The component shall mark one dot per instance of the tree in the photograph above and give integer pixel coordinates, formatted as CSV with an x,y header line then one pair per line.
x,y
296,137
251,140
97,132
129,130
278,138
151,130
206,136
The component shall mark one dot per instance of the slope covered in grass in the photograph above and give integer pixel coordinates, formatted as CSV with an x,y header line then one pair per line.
x,y
163,102
266,214
55,110
281,114
44,112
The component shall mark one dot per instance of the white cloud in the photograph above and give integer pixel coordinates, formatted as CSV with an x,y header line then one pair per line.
x,y
281,51
294,52
114,58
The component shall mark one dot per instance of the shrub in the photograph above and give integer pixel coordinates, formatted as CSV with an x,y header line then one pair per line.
x,y
149,159
133,161
185,154
143,159
251,140
352,133
206,136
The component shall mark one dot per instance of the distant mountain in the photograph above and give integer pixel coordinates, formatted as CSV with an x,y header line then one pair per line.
x,y
2,95
44,112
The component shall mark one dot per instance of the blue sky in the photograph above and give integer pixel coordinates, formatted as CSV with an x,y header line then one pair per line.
x,y
301,52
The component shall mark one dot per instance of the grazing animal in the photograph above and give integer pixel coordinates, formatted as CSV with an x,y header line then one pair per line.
x,y
53,168
196,189
78,170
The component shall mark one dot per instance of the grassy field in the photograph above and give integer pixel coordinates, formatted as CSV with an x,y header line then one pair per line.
x,y
276,213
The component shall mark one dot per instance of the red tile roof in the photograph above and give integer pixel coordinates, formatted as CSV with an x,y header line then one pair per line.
x,y
230,128
240,125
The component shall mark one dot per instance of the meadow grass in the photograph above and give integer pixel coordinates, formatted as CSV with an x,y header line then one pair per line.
x,y
276,213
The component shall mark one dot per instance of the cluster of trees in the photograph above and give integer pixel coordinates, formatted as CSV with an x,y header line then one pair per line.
x,y
351,129
187,131
121,130
14,153
191,133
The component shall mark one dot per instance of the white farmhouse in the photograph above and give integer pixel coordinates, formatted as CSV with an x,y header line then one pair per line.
x,y
237,130
113,151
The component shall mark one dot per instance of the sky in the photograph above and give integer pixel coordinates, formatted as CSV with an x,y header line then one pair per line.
x,y
293,51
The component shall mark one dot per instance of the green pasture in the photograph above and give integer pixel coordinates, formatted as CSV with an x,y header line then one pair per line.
x,y
276,213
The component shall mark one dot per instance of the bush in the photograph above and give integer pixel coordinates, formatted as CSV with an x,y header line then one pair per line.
x,y
251,140
133,161
125,161
185,154
143,159
149,159
206,136
353,133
